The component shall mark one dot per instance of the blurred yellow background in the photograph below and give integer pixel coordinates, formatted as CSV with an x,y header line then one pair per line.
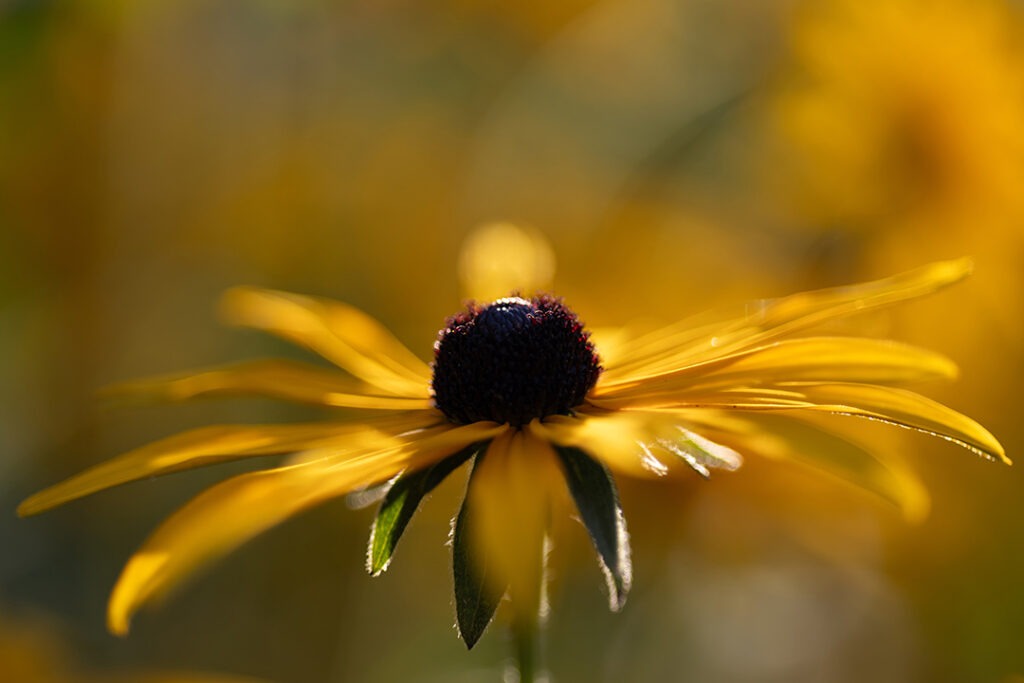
x,y
678,154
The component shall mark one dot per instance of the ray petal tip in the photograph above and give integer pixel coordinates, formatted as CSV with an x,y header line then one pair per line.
x,y
953,270
118,628
119,617
38,502
27,507
237,303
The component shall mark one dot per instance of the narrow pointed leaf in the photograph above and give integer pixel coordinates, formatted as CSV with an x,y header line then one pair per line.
x,y
401,502
476,599
597,500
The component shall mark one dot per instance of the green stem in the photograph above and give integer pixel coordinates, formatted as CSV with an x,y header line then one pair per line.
x,y
528,656
528,622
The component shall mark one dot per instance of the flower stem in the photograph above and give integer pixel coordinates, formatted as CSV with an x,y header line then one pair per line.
x,y
527,636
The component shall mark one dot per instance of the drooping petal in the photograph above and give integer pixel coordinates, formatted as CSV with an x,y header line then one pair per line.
x,y
885,404
284,379
809,443
634,442
906,409
617,438
340,333
234,511
813,359
686,343
214,523
220,443
512,491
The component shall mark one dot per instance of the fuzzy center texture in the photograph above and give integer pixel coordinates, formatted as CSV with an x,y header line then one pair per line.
x,y
513,360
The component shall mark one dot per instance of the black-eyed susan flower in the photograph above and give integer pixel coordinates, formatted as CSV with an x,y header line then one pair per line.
x,y
545,415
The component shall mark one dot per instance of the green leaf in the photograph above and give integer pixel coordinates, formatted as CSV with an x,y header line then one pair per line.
x,y
597,500
475,599
400,503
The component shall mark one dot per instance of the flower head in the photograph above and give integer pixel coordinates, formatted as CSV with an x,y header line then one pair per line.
x,y
546,416
513,360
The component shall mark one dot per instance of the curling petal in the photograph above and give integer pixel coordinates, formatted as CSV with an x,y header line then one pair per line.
x,y
284,379
813,359
211,445
617,438
686,343
340,333
214,523
511,493
812,445
635,442
906,409
885,404
230,513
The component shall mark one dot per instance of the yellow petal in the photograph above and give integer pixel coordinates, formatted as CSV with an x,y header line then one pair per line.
x,y
340,333
811,308
611,344
213,524
234,511
284,379
637,443
688,342
809,445
616,438
740,398
220,443
906,409
885,404
815,359
511,494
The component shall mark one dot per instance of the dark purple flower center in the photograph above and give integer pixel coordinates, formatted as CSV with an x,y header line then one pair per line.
x,y
513,360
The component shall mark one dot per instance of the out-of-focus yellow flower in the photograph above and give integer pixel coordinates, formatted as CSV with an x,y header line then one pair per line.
x,y
526,256
906,110
900,126
546,415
